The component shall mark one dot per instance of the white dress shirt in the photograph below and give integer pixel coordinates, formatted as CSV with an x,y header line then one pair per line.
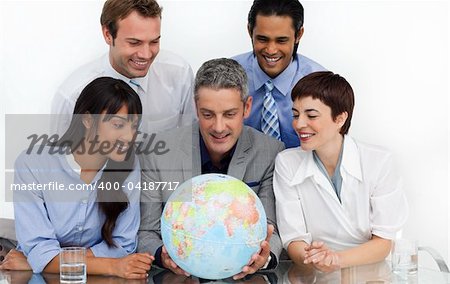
x,y
166,92
373,202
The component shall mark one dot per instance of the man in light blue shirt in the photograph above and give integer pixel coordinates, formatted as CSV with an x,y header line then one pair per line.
x,y
275,27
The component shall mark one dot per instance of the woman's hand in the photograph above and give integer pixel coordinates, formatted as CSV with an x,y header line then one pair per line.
x,y
321,257
133,266
15,260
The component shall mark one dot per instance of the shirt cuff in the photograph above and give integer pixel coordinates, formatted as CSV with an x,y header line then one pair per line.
x,y
38,260
158,260
103,250
272,262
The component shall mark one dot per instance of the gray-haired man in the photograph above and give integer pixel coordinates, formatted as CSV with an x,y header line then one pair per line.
x,y
218,143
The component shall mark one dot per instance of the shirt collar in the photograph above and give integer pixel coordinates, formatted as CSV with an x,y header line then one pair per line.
x,y
72,163
111,72
205,158
351,159
306,168
282,82
76,167
350,163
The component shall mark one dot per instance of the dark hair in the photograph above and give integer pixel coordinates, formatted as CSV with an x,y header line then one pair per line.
x,y
332,90
105,95
115,10
291,8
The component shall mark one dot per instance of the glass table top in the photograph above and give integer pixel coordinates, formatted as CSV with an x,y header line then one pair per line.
x,y
286,273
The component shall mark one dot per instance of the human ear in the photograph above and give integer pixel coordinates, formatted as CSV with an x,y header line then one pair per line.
x,y
341,118
248,107
250,32
107,35
87,120
299,35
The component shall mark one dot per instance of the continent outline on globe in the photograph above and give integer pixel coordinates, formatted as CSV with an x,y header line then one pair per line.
x,y
212,225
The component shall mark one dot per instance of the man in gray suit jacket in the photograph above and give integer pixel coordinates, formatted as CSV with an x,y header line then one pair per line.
x,y
218,143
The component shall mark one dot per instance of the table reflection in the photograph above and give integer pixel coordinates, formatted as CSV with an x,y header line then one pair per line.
x,y
285,273
166,277
378,273
19,277
373,273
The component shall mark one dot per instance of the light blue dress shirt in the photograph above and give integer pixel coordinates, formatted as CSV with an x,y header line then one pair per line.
x,y
47,220
284,82
336,179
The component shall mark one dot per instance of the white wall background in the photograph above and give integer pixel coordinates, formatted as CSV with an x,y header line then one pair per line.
x,y
394,53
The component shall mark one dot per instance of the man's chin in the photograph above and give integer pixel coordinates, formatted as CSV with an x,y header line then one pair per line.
x,y
221,142
221,148
139,74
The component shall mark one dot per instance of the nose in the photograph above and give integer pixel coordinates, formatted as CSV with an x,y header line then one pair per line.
x,y
271,48
128,134
146,52
299,123
219,125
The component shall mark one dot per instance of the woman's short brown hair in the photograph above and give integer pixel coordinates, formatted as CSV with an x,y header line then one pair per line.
x,y
332,90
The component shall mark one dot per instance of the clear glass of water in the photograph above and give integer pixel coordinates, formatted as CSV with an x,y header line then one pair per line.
x,y
72,265
404,257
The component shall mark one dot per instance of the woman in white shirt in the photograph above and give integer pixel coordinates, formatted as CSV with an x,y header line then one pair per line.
x,y
339,201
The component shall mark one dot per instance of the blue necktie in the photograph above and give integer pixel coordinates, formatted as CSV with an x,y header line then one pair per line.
x,y
135,85
269,120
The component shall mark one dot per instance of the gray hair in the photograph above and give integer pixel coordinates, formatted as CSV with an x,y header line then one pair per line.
x,y
222,73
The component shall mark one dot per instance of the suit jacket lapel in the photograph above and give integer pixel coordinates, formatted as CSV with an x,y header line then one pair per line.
x,y
191,163
240,159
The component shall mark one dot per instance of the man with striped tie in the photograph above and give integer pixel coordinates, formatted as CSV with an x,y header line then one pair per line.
x,y
274,67
163,80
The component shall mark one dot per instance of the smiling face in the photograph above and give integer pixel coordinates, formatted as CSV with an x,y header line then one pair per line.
x,y
114,136
273,39
315,126
136,45
221,115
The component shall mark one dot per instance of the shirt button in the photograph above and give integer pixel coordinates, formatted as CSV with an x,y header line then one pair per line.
x,y
80,228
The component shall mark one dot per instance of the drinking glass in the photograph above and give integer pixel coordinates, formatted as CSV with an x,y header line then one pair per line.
x,y
404,257
72,265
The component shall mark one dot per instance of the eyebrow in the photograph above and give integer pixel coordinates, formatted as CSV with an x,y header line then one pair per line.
x,y
136,39
306,110
233,109
156,38
132,39
267,37
228,110
118,116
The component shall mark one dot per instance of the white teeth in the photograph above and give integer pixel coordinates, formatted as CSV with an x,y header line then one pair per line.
x,y
122,148
219,137
272,59
306,135
140,62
